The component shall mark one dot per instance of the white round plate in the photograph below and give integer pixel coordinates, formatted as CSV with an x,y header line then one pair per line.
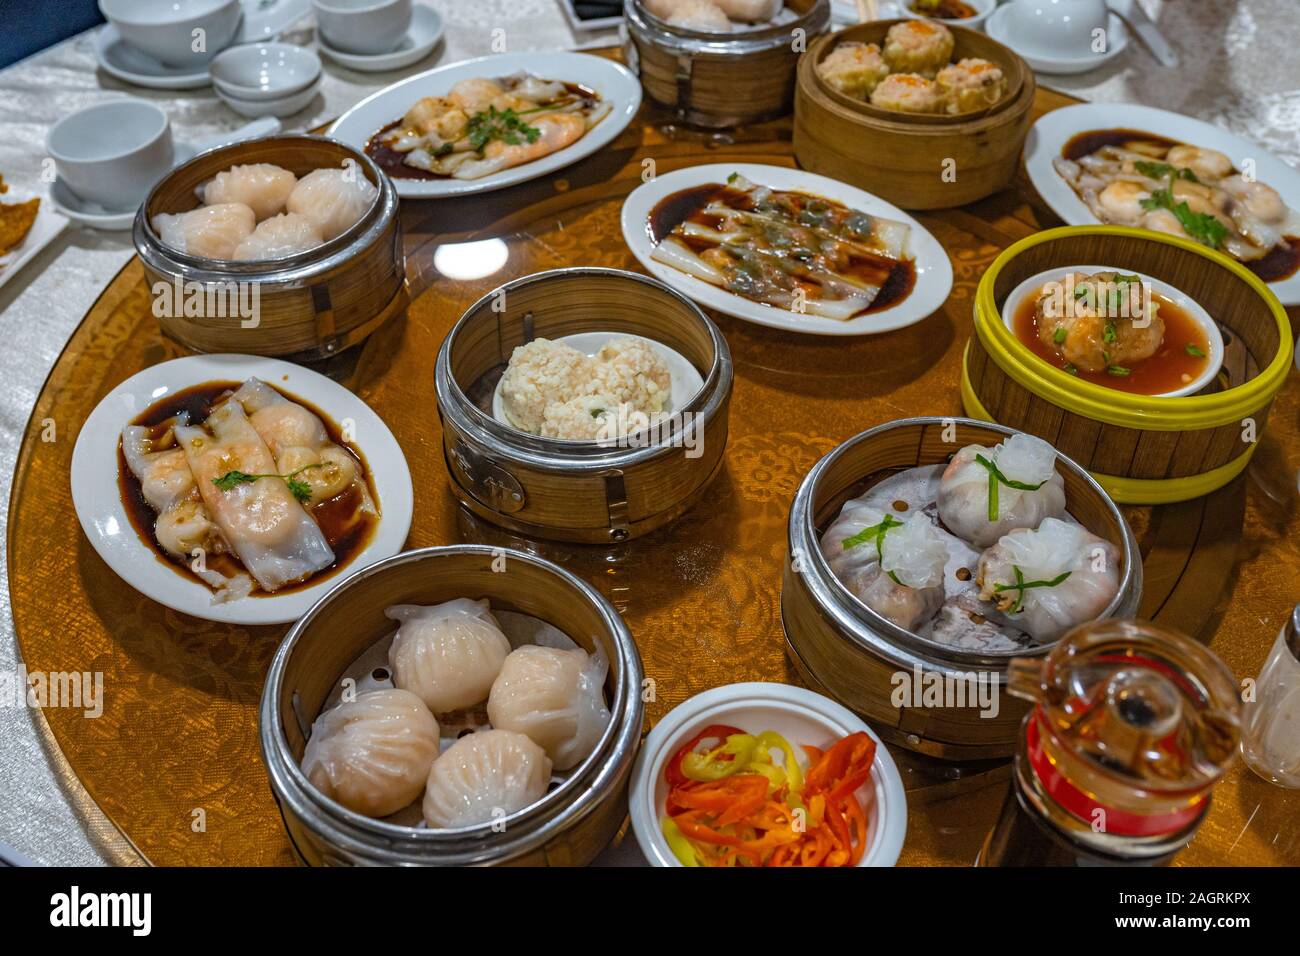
x,y
611,80
88,214
1116,34
686,378
130,65
797,714
103,518
1049,135
423,36
933,269
1194,310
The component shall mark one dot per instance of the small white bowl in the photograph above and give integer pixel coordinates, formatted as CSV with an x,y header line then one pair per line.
x,y
285,106
1057,60
164,29
1181,299
111,154
983,9
368,27
265,71
802,718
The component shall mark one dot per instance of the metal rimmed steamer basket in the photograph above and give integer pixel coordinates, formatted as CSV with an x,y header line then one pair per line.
x,y
585,492
848,651
310,305
581,812
719,80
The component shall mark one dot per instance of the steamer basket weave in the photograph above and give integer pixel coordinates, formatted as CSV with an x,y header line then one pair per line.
x,y
1142,449
855,655
310,305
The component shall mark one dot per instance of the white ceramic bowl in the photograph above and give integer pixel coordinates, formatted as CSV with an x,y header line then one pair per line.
x,y
799,715
368,27
264,71
164,29
112,153
104,519
1057,28
1181,299
284,106
983,8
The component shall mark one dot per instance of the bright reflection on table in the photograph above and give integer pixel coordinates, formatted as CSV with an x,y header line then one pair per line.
x,y
470,260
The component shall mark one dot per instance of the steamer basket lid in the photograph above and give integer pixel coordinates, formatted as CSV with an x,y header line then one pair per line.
x,y
1131,704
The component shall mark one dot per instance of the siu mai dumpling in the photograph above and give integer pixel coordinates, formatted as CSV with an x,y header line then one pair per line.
x,y
372,754
1049,579
334,199
484,777
449,654
266,526
284,235
262,187
212,232
978,500
555,697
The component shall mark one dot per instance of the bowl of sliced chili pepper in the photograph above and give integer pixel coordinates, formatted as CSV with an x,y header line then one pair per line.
x,y
766,775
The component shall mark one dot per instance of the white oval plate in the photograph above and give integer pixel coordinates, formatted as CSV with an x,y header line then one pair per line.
x,y
611,80
1049,135
933,270
797,714
105,522
1194,310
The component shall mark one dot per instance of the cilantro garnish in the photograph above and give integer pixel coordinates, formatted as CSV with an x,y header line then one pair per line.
x,y
504,125
1201,226
301,490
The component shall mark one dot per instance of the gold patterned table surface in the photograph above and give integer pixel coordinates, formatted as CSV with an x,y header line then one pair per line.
x,y
174,759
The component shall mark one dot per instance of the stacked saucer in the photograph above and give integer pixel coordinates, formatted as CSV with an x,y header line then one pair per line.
x,y
266,79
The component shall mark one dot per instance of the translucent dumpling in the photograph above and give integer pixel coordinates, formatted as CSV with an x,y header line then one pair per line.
x,y
1049,579
334,199
284,235
483,777
262,187
372,754
209,231
986,492
448,655
553,696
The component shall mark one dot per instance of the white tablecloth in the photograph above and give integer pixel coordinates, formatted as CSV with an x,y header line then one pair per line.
x,y
1241,69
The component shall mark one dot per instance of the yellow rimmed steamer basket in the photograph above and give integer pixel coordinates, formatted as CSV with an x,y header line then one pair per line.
x,y
581,812
583,492
914,160
720,80
308,306
844,649
1142,449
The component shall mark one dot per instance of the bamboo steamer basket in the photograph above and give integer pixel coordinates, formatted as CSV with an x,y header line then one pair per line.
x,y
1142,449
311,305
904,157
573,491
717,80
851,653
568,827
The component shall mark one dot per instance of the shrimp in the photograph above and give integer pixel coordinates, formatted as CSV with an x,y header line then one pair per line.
x,y
1205,163
474,95
1122,201
556,131
1257,200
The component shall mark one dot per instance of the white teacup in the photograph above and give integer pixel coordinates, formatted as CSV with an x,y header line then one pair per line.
x,y
1056,27
365,27
111,154
178,33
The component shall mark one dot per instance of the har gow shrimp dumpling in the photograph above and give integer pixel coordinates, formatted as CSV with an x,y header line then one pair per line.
x,y
284,235
372,754
262,187
553,696
334,199
448,655
483,777
212,232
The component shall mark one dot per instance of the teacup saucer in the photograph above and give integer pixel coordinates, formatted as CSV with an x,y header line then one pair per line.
x,y
88,213
996,27
130,65
423,36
